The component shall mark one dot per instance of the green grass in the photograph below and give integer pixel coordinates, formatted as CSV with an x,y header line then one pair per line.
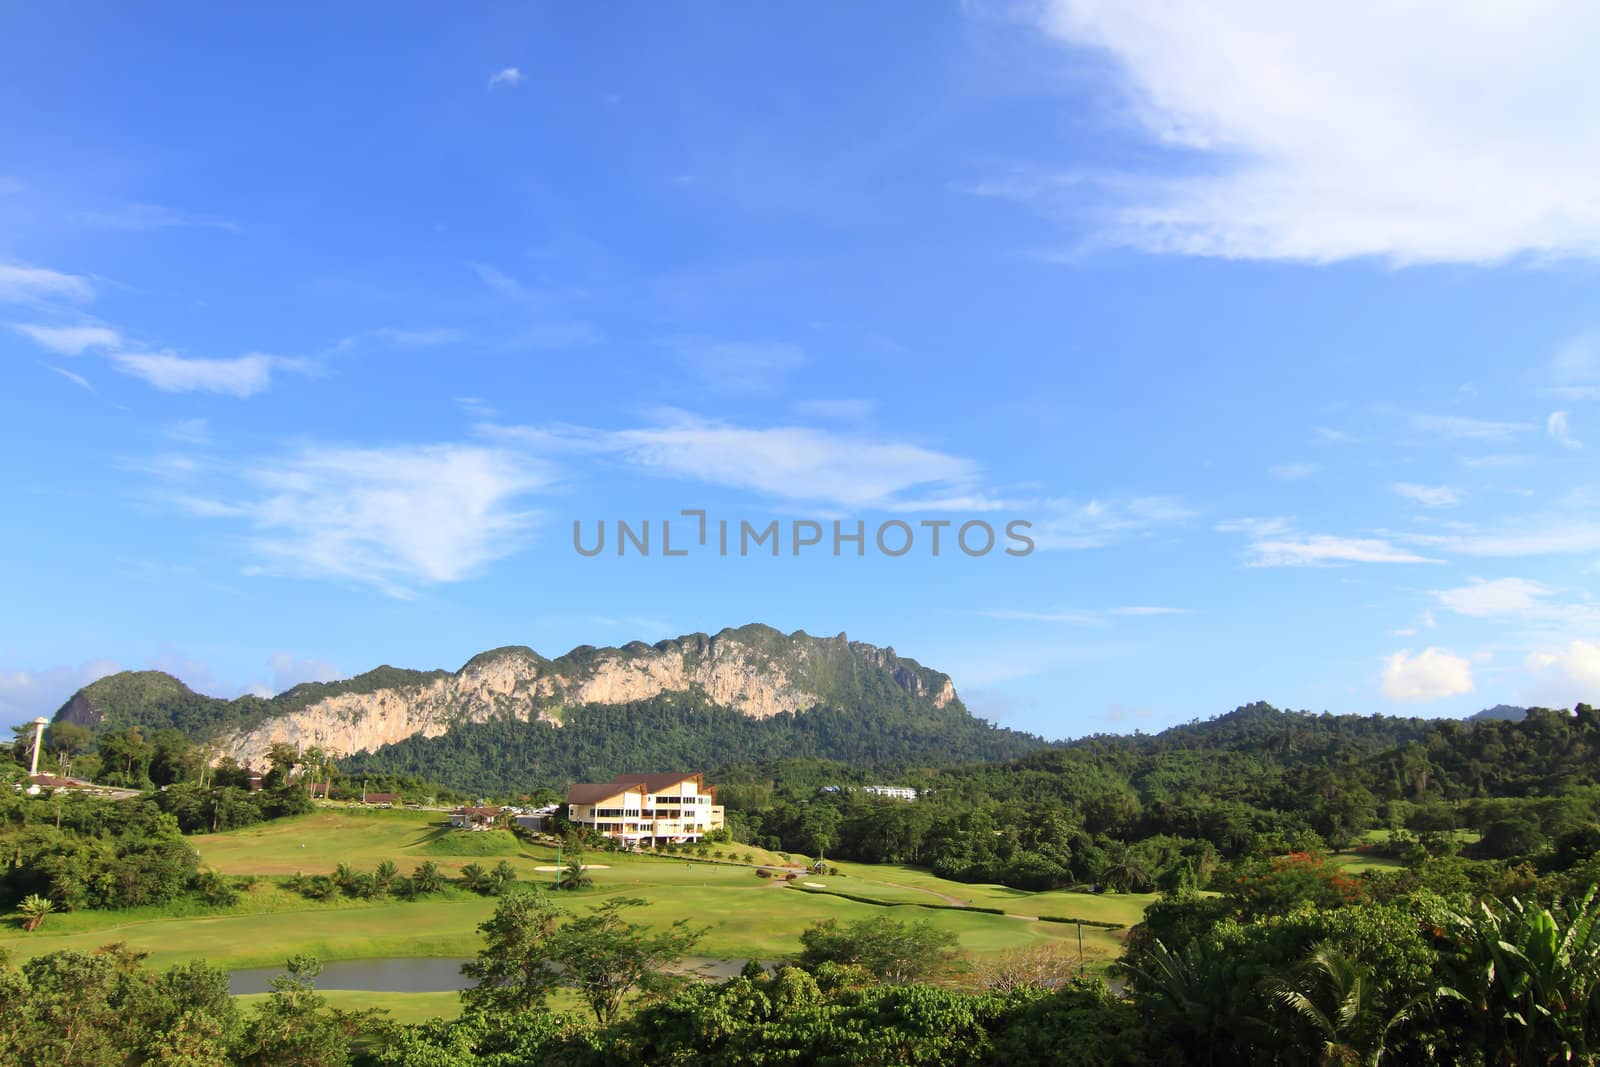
x,y
402,1007
744,916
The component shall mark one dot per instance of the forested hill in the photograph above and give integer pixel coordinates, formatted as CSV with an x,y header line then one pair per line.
x,y
598,741
752,691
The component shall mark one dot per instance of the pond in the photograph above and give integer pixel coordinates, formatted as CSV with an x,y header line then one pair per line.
x,y
421,974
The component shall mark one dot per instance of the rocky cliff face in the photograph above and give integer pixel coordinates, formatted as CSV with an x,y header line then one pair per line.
x,y
754,670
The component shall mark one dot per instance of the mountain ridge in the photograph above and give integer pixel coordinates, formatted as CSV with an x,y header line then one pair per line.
x,y
754,670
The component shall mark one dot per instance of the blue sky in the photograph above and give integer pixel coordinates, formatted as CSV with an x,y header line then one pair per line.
x,y
319,330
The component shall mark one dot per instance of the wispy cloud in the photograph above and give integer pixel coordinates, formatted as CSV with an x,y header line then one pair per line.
x,y
1306,136
1459,427
1534,535
1091,618
396,337
1560,432
69,340
1429,496
147,217
21,284
737,366
1502,596
1273,543
242,376
76,379
1292,472
509,78
1329,436
393,518
788,462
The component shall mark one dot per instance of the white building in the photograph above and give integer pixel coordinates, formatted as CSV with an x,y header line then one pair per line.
x,y
647,809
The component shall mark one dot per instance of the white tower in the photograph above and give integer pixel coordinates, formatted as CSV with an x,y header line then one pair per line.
x,y
38,742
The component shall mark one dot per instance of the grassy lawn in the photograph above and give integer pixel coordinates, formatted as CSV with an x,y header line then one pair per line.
x,y
402,1007
745,916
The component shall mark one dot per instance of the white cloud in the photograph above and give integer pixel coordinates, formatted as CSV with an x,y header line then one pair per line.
x,y
790,462
509,78
1256,527
20,284
28,694
1292,472
1426,132
76,379
1328,436
146,217
1503,596
189,431
1565,676
1084,618
242,376
737,366
1429,496
70,340
1460,427
1556,427
394,337
390,517
1069,618
1323,550
1431,674
1549,535
1065,524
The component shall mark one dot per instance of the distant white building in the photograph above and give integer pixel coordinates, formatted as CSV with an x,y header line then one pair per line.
x,y
896,792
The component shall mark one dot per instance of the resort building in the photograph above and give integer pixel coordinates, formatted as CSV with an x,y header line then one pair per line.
x,y
897,792
475,818
647,809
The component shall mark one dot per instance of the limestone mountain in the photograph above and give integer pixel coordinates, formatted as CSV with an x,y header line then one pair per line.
x,y
755,673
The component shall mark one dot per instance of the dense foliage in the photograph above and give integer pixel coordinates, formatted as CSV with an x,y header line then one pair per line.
x,y
597,741
1178,808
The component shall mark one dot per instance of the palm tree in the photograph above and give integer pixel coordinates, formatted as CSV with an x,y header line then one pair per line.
x,y
33,910
1334,997
1192,994
344,876
573,876
385,875
1122,872
475,878
426,878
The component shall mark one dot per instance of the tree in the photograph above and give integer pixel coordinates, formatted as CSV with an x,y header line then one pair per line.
x,y
385,875
293,1027
513,969
574,876
1122,871
605,957
890,951
1528,977
426,878
33,909
1332,999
